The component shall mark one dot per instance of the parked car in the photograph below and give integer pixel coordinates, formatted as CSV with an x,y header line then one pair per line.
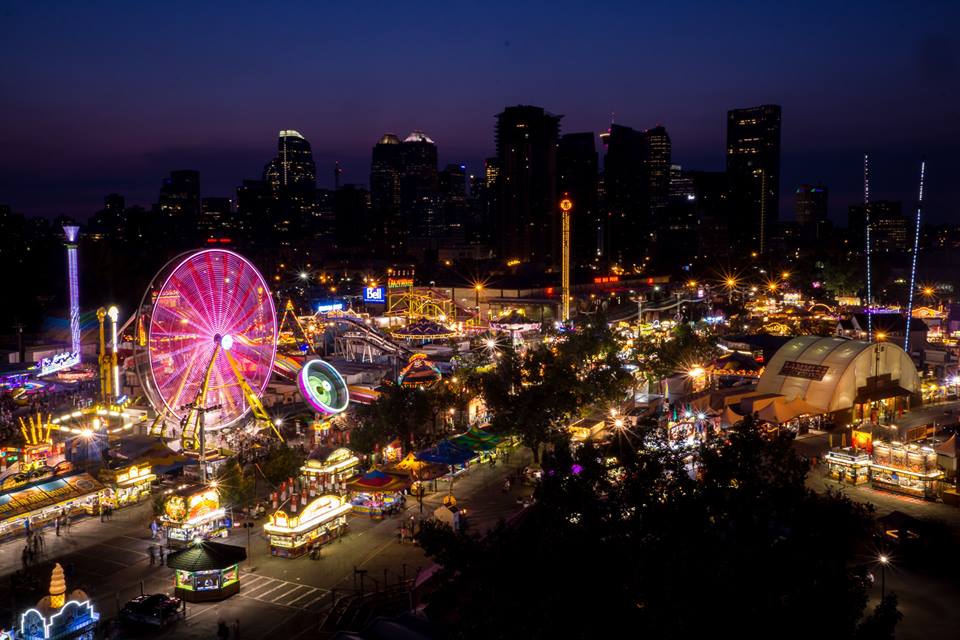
x,y
157,609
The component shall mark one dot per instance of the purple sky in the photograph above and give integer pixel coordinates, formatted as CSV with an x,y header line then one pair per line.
x,y
102,97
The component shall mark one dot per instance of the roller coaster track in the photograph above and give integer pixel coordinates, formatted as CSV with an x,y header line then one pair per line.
x,y
361,341
665,306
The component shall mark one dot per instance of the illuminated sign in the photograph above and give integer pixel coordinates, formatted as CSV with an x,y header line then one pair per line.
x,y
374,294
393,283
58,362
327,307
606,279
794,369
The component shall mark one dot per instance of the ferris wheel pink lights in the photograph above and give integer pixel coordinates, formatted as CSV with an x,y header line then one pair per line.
x,y
210,298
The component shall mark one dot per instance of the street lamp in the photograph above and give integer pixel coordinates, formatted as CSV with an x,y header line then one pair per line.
x,y
884,561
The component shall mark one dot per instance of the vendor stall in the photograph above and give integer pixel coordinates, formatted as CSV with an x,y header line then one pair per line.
x,y
293,534
207,571
331,472
910,469
848,465
193,512
376,492
42,501
126,485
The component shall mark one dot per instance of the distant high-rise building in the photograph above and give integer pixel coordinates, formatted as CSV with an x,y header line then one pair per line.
x,y
293,167
386,169
657,151
452,189
114,203
216,216
292,178
351,206
889,228
418,185
527,214
180,194
810,204
624,188
577,175
753,171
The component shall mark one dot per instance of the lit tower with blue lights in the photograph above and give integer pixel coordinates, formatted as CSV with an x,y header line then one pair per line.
x,y
72,233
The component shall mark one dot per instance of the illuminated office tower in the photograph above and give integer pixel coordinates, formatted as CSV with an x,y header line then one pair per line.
x,y
72,232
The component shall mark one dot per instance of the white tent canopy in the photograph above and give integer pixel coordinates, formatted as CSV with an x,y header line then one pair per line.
x,y
826,373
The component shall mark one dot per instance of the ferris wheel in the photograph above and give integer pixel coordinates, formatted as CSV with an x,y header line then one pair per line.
x,y
208,334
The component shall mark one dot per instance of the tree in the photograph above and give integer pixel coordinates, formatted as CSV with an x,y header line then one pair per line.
x,y
235,487
739,549
282,463
400,412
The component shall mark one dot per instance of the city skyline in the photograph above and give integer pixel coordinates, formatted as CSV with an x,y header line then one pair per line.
x,y
881,86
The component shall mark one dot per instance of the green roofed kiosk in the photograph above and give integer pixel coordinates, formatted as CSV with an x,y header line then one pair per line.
x,y
207,570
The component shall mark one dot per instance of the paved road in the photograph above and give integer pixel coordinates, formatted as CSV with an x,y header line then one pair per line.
x,y
278,597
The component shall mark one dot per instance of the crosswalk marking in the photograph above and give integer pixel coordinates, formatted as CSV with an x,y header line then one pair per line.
x,y
282,592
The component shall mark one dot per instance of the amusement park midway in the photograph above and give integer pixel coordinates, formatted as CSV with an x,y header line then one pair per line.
x,y
112,562
242,456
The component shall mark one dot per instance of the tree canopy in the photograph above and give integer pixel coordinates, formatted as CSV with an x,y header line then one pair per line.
x,y
735,547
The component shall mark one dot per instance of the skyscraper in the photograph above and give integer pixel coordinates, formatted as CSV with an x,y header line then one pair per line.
x,y
577,174
657,151
753,171
528,224
386,169
889,228
810,204
293,167
292,178
180,194
624,189
418,185
216,216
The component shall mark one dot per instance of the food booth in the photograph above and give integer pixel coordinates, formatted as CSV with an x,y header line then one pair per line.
x,y
332,472
193,512
207,570
293,534
849,465
910,469
41,501
375,492
126,485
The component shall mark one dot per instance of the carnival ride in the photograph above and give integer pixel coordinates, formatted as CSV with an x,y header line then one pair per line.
x,y
356,339
323,388
292,337
210,344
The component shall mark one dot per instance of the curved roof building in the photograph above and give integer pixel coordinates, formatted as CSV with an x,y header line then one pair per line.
x,y
834,374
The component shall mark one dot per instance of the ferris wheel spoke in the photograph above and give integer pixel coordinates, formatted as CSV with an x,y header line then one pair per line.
x,y
196,316
184,380
240,325
232,303
197,292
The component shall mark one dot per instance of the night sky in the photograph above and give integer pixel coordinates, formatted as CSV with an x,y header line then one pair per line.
x,y
101,97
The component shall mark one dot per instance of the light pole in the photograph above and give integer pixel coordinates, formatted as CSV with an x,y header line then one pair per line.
x,y
884,560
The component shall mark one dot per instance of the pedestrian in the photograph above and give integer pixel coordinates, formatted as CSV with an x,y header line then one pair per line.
x,y
25,557
152,558
160,547
58,526
236,629
223,632
42,541
153,529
